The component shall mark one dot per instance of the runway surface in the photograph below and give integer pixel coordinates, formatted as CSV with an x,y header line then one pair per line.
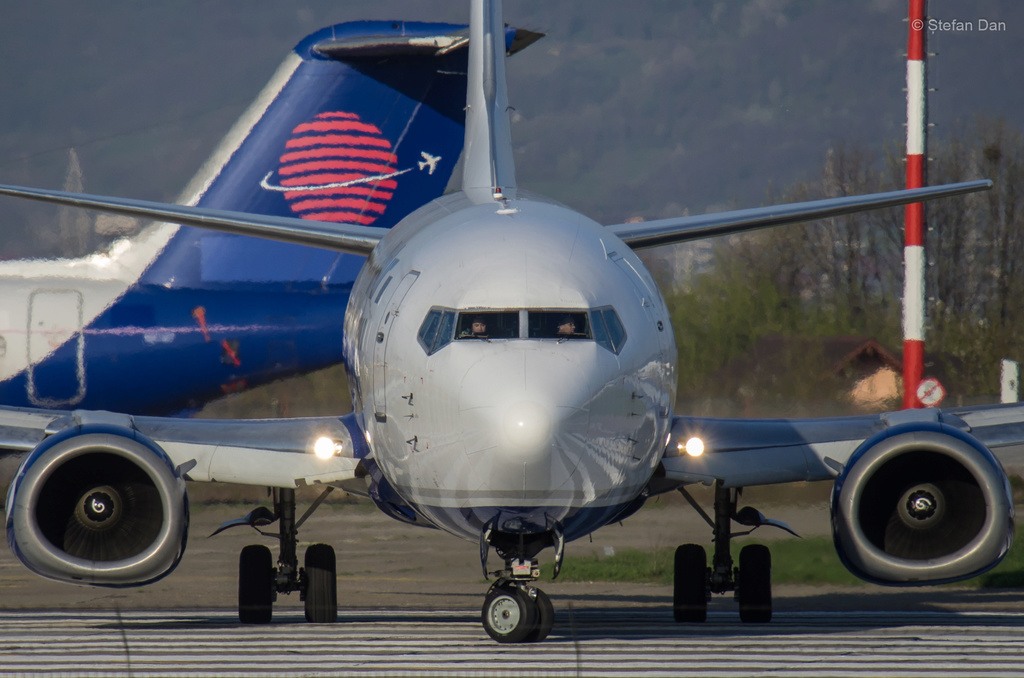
x,y
585,642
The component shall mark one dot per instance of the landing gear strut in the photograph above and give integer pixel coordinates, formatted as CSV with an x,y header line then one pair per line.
x,y
694,581
259,581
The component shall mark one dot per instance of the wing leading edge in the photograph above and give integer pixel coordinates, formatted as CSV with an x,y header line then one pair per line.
x,y
263,452
683,229
747,452
351,238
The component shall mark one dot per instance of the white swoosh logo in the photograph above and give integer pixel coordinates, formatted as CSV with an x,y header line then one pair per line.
x,y
319,187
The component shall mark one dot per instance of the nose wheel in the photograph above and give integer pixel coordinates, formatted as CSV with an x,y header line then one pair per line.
x,y
517,613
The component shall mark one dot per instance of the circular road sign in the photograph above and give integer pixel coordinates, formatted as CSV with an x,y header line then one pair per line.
x,y
930,392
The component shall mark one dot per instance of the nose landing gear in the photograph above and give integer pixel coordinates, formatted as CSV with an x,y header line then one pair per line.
x,y
514,610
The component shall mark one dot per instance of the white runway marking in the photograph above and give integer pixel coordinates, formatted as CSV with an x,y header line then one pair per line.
x,y
586,642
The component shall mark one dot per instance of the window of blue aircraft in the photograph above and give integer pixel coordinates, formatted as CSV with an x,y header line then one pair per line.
x,y
488,325
607,328
437,329
559,325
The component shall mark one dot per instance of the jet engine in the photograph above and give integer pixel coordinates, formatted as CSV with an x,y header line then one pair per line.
x,y
99,505
922,503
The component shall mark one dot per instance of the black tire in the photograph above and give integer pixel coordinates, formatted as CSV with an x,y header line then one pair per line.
x,y
755,584
508,614
255,585
690,584
321,584
545,618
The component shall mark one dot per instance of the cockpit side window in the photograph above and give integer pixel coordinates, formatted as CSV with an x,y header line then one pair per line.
x,y
488,325
616,332
428,330
559,325
447,329
599,330
436,331
608,329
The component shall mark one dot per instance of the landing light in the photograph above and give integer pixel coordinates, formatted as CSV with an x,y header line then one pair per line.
x,y
325,448
693,447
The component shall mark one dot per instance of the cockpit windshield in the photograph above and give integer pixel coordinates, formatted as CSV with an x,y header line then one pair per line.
x,y
488,325
559,325
444,325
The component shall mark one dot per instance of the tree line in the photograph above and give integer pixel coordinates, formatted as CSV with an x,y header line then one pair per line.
x,y
844,276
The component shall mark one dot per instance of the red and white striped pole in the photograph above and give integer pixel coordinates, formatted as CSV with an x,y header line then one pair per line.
x,y
913,252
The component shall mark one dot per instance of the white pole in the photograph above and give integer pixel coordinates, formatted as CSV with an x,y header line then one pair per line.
x,y
1009,375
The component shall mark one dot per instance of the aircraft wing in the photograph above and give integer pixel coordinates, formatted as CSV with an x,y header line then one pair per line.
x,y
682,229
747,452
351,238
265,452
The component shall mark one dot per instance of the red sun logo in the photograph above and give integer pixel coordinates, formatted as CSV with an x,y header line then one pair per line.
x,y
337,168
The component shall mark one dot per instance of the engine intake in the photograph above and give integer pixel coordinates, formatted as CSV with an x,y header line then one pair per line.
x,y
98,505
922,503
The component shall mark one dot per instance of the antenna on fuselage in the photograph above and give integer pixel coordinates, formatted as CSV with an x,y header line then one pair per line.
x,y
488,170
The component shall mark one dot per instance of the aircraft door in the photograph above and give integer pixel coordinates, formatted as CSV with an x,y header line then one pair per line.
x,y
654,402
381,344
55,322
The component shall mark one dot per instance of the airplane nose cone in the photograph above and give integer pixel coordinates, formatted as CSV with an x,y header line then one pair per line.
x,y
521,411
527,425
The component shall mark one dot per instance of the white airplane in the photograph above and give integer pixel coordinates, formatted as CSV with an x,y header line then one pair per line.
x,y
429,162
512,368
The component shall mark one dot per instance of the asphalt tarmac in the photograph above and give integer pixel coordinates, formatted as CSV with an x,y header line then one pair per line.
x,y
613,642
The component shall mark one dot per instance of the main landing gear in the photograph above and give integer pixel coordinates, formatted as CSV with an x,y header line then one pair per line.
x,y
514,610
694,581
259,581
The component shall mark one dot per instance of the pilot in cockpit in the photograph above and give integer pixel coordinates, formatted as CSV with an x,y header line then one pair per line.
x,y
566,326
477,328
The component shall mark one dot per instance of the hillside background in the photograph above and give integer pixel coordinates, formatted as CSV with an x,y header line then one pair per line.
x,y
641,109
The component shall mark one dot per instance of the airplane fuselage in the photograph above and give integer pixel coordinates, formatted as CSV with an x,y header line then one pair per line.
x,y
68,340
519,428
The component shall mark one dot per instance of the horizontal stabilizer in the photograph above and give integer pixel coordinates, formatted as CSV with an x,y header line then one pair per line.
x,y
682,229
350,238
390,45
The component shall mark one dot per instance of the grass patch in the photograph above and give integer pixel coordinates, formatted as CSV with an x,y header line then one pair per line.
x,y
1009,573
627,565
811,561
797,561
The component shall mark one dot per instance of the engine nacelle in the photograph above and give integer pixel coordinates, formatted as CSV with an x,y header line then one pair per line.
x,y
99,505
922,503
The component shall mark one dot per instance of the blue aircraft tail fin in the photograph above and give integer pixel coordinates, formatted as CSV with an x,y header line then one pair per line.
x,y
362,123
